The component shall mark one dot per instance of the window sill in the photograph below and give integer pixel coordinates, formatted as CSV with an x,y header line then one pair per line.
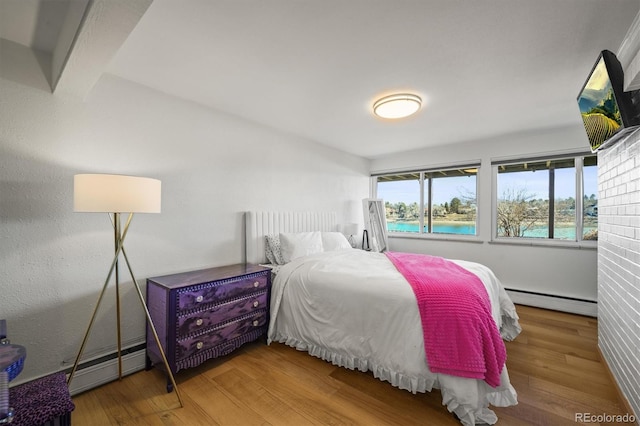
x,y
474,239
580,245
437,237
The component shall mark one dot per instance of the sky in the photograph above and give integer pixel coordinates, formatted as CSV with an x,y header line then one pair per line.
x,y
537,184
408,191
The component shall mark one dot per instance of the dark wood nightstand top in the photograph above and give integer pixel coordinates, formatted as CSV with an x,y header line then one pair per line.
x,y
206,275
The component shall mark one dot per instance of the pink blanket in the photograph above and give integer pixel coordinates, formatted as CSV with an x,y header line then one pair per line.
x,y
460,336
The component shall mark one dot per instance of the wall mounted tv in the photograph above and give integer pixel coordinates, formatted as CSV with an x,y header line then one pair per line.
x,y
607,111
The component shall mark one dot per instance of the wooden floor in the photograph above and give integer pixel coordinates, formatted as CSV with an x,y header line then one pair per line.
x,y
554,365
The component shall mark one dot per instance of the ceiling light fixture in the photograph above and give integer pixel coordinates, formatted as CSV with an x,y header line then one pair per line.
x,y
397,106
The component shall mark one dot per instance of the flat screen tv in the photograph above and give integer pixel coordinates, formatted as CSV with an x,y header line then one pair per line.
x,y
607,111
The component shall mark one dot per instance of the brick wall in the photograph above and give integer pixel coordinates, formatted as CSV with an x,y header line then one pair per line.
x,y
619,263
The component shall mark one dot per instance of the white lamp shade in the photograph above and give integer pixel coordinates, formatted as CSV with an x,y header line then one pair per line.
x,y
116,194
350,229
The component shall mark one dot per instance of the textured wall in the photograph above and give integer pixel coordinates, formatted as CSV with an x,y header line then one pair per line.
x,y
213,167
619,263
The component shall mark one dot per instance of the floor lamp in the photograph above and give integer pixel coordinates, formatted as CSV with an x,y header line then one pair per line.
x,y
116,194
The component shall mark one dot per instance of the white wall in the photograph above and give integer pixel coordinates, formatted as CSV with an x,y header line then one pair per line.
x,y
569,272
619,264
213,167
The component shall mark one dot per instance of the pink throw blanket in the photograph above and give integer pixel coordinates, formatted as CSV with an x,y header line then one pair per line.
x,y
460,336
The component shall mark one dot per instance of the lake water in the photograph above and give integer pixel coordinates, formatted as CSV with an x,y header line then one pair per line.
x,y
438,228
561,233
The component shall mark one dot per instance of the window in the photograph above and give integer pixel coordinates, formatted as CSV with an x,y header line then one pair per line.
x,y
431,201
537,199
453,201
401,194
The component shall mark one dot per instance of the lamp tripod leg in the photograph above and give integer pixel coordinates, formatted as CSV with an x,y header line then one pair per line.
x,y
93,317
153,329
118,243
119,237
119,240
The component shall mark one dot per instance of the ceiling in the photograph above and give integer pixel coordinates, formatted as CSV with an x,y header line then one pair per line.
x,y
313,68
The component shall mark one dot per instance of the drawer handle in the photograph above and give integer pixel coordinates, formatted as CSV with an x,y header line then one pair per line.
x,y
256,323
199,322
255,304
256,284
199,345
199,299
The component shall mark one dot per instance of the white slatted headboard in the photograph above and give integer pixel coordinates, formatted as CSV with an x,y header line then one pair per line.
x,y
258,224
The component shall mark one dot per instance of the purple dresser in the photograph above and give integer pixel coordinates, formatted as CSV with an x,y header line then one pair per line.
x,y
206,314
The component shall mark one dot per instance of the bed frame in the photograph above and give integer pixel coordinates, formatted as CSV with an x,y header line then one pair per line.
x,y
260,223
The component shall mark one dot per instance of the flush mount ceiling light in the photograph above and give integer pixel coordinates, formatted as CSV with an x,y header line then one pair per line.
x,y
397,106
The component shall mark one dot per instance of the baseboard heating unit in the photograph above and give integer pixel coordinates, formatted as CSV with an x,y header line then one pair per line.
x,y
104,369
557,303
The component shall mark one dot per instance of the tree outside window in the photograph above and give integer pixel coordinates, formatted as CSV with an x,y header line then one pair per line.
x,y
537,199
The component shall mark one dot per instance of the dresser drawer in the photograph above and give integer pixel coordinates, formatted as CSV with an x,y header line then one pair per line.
x,y
197,322
197,297
222,333
220,350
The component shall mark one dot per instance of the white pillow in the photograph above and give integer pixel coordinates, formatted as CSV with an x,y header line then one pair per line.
x,y
332,241
272,249
298,244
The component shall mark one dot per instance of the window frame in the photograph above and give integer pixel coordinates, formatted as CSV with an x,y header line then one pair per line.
x,y
579,241
421,234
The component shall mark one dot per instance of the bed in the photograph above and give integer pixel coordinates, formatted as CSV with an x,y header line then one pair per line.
x,y
357,310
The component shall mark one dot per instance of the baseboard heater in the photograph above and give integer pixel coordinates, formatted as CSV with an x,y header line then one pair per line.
x,y
104,369
572,305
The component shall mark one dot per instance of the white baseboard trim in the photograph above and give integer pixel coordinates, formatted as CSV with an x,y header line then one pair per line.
x,y
105,372
572,306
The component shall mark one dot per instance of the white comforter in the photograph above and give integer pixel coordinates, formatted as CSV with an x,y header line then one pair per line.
x,y
354,309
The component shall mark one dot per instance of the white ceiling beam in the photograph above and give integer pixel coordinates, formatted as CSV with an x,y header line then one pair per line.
x,y
104,26
629,56
68,32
